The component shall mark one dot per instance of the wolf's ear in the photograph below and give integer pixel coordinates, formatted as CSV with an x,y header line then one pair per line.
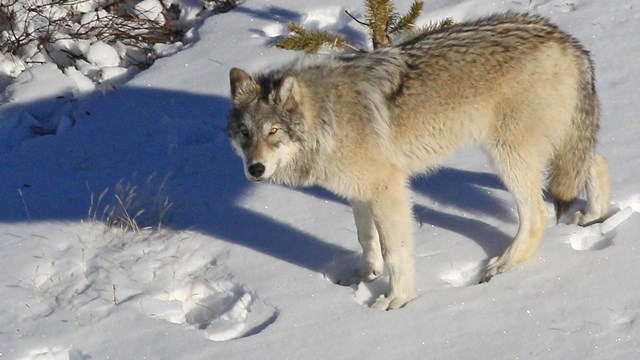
x,y
288,93
241,83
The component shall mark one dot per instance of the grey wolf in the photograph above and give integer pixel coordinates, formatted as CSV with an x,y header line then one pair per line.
x,y
362,125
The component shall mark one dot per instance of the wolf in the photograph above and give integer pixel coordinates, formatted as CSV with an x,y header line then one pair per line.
x,y
362,125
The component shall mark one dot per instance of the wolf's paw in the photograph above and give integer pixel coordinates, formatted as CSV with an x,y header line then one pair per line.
x,y
356,277
372,270
496,265
350,278
367,273
385,302
588,219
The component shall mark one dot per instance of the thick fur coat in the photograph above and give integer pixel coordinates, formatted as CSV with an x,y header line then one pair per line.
x,y
362,125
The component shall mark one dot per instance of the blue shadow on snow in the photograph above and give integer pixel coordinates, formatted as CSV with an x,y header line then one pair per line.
x,y
127,136
130,134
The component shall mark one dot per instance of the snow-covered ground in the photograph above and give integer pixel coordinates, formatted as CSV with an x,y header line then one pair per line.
x,y
243,271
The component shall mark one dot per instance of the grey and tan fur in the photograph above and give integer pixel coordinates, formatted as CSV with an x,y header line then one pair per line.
x,y
361,125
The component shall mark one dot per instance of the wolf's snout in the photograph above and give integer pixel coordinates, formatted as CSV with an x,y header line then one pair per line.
x,y
256,170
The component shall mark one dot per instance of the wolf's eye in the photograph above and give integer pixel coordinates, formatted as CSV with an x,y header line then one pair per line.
x,y
244,132
273,130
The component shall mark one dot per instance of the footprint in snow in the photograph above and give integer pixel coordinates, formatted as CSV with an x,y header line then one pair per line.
x,y
271,31
601,235
466,275
595,237
55,353
584,239
367,293
222,310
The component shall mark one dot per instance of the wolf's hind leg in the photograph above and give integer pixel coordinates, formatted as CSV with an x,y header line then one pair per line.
x,y
371,264
598,189
522,175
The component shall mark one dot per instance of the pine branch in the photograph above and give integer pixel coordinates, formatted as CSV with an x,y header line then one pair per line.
x,y
309,40
436,26
407,21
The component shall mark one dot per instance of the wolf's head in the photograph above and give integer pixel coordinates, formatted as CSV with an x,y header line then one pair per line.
x,y
265,123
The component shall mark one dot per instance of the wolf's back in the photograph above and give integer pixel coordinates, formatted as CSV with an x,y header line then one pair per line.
x,y
489,48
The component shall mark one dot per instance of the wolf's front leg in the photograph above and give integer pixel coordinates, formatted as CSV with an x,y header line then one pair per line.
x,y
391,211
371,264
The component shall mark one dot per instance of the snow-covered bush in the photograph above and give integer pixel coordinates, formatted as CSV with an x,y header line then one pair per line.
x,y
53,52
103,39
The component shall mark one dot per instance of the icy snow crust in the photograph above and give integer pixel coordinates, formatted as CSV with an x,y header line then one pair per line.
x,y
243,271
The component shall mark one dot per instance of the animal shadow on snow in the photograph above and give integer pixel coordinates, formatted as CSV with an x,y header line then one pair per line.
x,y
465,191
130,134
461,190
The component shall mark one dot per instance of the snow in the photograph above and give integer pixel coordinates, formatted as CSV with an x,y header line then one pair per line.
x,y
150,10
244,271
83,85
10,65
28,86
102,54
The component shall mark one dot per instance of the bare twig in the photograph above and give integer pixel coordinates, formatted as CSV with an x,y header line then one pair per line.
x,y
357,20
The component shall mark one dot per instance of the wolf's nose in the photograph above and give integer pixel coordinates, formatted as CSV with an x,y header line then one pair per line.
x,y
256,170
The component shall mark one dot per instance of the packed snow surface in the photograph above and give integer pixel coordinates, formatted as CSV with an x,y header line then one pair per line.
x,y
245,271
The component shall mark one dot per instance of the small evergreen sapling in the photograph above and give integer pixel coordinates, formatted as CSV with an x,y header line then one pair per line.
x,y
381,18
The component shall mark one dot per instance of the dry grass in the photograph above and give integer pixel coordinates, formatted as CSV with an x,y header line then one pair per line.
x,y
130,208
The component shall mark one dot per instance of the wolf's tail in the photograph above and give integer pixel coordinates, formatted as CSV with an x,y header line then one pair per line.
x,y
574,164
